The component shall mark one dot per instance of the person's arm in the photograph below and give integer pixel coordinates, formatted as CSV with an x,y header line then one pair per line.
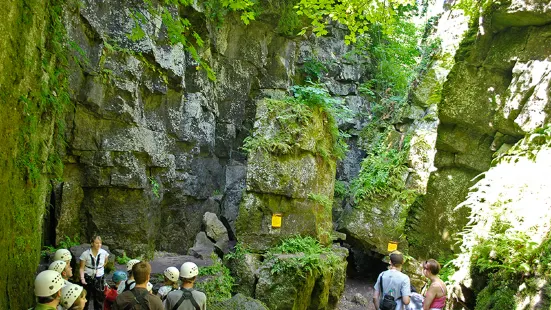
x,y
405,292
376,298
82,279
105,260
431,294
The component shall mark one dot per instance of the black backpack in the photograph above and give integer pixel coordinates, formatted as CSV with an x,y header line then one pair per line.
x,y
388,302
186,294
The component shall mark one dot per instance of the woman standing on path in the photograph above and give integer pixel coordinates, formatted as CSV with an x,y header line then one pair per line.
x,y
92,263
435,298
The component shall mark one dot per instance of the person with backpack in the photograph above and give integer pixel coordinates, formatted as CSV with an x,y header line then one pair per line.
x,y
187,298
47,288
139,297
171,282
129,283
92,263
111,292
392,289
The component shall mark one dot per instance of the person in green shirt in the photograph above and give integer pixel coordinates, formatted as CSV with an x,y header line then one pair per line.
x,y
47,288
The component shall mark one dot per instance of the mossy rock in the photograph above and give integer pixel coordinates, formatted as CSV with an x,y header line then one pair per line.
x,y
300,290
299,217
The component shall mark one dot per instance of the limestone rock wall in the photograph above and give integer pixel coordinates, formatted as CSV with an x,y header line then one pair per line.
x,y
153,144
496,91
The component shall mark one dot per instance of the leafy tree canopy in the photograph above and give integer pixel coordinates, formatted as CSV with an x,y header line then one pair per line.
x,y
357,15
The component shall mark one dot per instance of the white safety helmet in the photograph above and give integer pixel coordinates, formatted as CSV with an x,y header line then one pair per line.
x,y
62,254
189,270
149,287
131,264
47,283
172,274
69,294
58,266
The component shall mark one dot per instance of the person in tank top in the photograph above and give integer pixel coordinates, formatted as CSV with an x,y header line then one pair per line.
x,y
435,298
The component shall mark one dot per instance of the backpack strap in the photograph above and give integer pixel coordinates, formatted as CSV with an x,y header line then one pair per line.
x,y
186,294
139,299
381,284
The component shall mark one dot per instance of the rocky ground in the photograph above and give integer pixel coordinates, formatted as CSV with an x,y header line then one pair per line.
x,y
358,295
358,292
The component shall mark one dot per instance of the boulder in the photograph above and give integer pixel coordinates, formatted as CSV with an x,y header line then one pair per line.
x,y
244,269
203,246
241,302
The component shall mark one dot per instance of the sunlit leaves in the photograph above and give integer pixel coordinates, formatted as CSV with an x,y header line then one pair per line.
x,y
357,15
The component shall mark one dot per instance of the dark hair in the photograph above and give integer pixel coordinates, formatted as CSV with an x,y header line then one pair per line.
x,y
48,299
141,272
94,237
432,265
396,258
188,280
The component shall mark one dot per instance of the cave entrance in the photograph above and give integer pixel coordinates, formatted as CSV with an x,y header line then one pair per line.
x,y
365,264
50,222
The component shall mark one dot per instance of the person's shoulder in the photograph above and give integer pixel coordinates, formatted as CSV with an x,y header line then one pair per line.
x,y
102,251
199,293
85,254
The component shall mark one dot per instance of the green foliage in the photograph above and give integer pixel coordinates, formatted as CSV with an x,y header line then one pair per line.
x,y
381,175
154,187
180,29
323,200
65,243
292,115
357,15
122,260
217,281
314,69
238,253
310,256
341,189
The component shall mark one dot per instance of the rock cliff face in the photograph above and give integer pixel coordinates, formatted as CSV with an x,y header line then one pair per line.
x,y
496,91
153,144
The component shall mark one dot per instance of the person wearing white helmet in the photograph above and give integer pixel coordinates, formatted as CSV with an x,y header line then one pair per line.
x,y
129,283
47,287
63,268
64,255
139,294
73,297
92,265
171,282
187,298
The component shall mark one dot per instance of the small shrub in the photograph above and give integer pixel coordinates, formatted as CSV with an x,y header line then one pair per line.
x,y
311,256
218,283
122,260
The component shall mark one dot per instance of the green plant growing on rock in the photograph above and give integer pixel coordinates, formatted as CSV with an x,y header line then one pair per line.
x,y
310,256
215,281
154,187
323,200
381,176
292,114
122,260
180,29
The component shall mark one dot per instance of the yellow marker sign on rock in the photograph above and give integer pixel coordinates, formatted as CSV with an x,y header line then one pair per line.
x,y
276,220
392,246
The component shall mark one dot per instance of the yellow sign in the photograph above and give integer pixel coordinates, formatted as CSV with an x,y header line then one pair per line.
x,y
392,246
276,220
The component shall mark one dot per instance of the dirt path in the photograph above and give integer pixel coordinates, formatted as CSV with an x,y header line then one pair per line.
x,y
358,295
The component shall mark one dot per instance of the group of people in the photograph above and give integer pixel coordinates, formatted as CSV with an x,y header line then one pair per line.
x,y
393,288
130,289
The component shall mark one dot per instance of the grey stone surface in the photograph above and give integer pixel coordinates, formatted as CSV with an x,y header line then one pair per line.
x,y
203,246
